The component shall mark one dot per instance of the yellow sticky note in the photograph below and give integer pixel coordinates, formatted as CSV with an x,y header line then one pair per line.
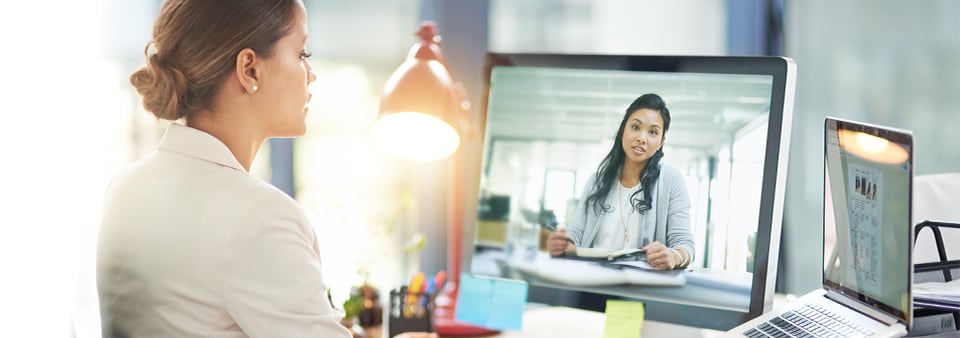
x,y
624,319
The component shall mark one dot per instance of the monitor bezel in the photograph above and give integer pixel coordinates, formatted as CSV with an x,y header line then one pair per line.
x,y
770,219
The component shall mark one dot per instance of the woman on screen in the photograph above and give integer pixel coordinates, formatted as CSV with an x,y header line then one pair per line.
x,y
191,244
634,200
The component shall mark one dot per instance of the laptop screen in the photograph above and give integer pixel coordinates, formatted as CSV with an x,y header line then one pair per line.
x,y
866,215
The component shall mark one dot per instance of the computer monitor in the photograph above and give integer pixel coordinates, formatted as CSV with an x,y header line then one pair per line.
x,y
549,121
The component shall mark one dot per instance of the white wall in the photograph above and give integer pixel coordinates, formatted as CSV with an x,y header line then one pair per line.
x,y
609,27
893,63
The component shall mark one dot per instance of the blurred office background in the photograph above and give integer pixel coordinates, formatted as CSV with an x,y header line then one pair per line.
x,y
71,120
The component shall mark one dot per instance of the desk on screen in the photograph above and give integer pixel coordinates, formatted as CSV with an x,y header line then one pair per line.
x,y
705,288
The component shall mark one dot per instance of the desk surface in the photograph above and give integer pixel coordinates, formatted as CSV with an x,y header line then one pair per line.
x,y
553,322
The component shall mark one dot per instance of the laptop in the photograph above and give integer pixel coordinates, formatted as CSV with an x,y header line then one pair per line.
x,y
867,242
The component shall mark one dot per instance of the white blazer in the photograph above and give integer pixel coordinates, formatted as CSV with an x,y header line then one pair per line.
x,y
191,245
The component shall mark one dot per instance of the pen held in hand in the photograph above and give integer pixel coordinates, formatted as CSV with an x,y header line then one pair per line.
x,y
553,228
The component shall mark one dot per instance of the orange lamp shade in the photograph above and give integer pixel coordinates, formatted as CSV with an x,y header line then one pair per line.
x,y
419,104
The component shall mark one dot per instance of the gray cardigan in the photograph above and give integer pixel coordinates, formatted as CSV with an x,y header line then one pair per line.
x,y
670,211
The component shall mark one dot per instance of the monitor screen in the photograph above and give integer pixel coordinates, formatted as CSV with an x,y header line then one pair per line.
x,y
551,120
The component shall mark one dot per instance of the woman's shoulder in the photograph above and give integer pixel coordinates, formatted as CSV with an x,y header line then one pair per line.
x,y
244,193
671,176
670,172
266,196
590,185
266,208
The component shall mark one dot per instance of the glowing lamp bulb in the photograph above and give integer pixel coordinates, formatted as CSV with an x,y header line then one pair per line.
x,y
415,136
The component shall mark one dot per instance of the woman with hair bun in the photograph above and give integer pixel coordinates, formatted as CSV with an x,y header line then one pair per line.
x,y
192,245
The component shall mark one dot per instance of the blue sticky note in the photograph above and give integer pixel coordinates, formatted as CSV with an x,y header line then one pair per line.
x,y
507,304
473,300
493,303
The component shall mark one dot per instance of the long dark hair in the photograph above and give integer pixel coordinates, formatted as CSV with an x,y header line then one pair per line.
x,y
611,164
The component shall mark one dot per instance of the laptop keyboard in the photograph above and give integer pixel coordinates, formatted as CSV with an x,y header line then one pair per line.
x,y
809,320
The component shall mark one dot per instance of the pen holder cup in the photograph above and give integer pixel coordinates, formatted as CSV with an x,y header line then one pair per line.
x,y
410,312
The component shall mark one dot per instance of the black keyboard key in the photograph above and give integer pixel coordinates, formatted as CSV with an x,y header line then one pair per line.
x,y
772,331
809,321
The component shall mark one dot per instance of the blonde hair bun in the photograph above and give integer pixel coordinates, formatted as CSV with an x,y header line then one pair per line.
x,y
163,88
195,45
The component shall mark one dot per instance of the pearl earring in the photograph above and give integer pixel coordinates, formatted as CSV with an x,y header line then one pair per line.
x,y
255,88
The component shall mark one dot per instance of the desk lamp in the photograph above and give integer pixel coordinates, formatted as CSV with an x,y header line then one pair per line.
x,y
423,115
422,109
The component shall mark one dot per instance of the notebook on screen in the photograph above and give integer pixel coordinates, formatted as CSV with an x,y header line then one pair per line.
x,y
867,242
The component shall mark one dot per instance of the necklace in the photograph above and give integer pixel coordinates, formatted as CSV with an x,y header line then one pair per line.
x,y
626,220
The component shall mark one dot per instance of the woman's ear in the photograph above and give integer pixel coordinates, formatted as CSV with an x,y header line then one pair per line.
x,y
248,70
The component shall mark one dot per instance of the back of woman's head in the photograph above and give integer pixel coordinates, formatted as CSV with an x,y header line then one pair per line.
x,y
195,45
